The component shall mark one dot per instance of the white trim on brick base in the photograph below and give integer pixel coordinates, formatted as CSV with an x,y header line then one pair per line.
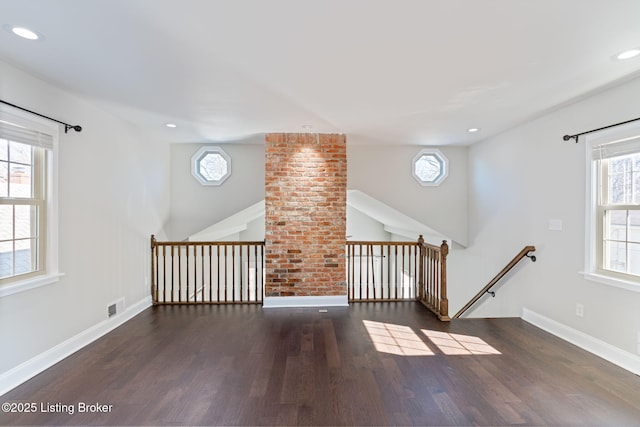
x,y
306,301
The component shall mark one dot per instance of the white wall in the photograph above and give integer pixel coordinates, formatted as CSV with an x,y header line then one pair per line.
x,y
384,173
113,195
254,232
195,206
360,226
520,180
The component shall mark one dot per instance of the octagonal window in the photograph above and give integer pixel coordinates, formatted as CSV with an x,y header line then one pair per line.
x,y
211,165
430,167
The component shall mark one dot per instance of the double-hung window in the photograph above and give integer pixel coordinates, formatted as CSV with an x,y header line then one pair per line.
x,y
614,224
26,190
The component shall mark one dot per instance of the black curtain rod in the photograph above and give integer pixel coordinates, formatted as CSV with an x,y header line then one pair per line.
x,y
575,137
67,126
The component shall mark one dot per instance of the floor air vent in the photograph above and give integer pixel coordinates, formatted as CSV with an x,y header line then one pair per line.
x,y
111,310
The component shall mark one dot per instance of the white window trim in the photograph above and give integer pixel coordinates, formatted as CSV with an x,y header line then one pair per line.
x,y
445,165
591,271
195,166
52,274
28,284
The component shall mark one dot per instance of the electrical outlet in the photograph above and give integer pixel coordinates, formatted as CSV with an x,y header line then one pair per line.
x,y
555,224
579,310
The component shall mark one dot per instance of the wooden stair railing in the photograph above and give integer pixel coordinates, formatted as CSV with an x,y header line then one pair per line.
x,y
382,271
524,253
432,278
207,272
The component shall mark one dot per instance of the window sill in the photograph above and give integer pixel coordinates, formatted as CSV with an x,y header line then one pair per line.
x,y
612,281
28,284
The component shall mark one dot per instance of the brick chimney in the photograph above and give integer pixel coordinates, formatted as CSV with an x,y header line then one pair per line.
x,y
305,219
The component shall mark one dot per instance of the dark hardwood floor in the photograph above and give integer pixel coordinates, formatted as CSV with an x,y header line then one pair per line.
x,y
369,364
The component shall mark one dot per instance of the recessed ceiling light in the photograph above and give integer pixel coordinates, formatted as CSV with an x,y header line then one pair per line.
x,y
25,33
171,125
628,54
472,130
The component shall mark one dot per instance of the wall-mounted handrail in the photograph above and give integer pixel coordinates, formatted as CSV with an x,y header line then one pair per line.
x,y
524,253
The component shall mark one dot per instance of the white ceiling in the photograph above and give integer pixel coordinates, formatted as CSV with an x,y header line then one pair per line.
x,y
394,71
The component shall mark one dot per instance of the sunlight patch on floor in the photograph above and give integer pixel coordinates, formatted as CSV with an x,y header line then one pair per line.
x,y
455,344
403,341
396,339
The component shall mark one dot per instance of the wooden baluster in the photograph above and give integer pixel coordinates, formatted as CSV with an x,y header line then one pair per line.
x,y
349,284
421,268
382,272
218,272
226,261
410,292
402,272
202,277
427,266
427,276
353,271
210,275
416,276
154,262
444,302
372,267
186,253
261,270
179,273
233,273
242,276
434,262
428,279
198,280
172,273
248,271
360,273
164,273
389,276
395,272
373,270
366,268
195,274
435,277
255,274
428,273
349,275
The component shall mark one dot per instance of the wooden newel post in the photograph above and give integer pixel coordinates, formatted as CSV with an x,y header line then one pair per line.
x,y
154,293
444,302
421,268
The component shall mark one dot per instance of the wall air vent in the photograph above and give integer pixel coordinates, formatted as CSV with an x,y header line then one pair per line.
x,y
116,307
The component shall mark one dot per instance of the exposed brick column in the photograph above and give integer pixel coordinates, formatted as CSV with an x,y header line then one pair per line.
x,y
305,201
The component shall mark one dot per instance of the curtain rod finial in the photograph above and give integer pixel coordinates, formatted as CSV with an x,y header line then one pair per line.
x,y
568,137
77,128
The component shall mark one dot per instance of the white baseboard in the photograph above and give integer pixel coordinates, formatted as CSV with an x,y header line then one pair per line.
x,y
306,301
624,359
32,367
